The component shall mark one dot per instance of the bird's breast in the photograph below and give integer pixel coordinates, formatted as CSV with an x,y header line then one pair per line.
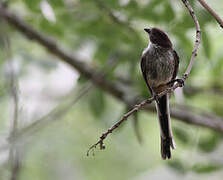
x,y
159,66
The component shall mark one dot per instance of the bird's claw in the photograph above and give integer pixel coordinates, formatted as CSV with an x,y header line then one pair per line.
x,y
155,96
181,82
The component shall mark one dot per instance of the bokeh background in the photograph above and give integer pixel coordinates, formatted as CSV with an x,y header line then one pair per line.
x,y
59,113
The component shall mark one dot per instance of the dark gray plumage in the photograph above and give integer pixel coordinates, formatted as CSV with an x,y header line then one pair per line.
x,y
159,65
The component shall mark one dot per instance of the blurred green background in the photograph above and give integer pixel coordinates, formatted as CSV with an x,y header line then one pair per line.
x,y
108,35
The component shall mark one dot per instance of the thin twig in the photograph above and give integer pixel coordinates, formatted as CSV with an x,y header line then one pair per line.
x,y
212,12
52,116
198,37
28,131
14,151
168,90
60,110
116,125
125,117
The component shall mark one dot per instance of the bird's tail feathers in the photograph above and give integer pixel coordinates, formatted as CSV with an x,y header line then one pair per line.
x,y
167,141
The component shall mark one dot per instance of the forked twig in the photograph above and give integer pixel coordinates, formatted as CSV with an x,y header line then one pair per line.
x,y
125,117
137,107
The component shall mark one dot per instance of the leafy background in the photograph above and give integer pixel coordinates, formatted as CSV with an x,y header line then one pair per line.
x,y
109,36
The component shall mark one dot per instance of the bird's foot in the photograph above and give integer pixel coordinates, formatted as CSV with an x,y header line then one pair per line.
x,y
155,96
180,81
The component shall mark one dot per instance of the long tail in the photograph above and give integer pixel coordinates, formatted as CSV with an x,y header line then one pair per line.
x,y
162,106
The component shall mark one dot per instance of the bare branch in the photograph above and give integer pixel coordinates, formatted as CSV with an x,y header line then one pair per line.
x,y
116,125
14,151
200,117
53,48
61,109
24,134
212,12
216,122
52,116
198,37
193,90
125,117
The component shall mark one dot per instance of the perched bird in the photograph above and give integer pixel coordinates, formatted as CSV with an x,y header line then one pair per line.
x,y
159,65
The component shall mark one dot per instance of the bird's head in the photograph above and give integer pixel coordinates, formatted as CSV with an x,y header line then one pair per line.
x,y
159,37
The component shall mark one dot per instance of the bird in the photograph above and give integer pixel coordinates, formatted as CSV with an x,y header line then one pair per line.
x,y
159,66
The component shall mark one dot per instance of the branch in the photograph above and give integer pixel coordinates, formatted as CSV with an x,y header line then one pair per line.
x,y
24,134
14,151
188,90
61,109
193,90
212,12
200,117
198,37
52,116
53,48
168,90
125,117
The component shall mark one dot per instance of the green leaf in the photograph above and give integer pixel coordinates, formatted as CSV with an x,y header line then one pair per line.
x,y
178,166
204,17
33,5
57,3
169,13
82,79
148,12
152,4
209,143
102,53
50,28
186,22
97,102
132,6
181,135
206,44
205,168
184,41
218,105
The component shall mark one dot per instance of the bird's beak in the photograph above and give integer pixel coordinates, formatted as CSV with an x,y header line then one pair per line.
x,y
147,30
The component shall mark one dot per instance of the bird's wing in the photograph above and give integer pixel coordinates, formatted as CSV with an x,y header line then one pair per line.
x,y
143,69
176,64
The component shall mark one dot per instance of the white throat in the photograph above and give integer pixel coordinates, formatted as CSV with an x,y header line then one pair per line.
x,y
147,48
150,45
